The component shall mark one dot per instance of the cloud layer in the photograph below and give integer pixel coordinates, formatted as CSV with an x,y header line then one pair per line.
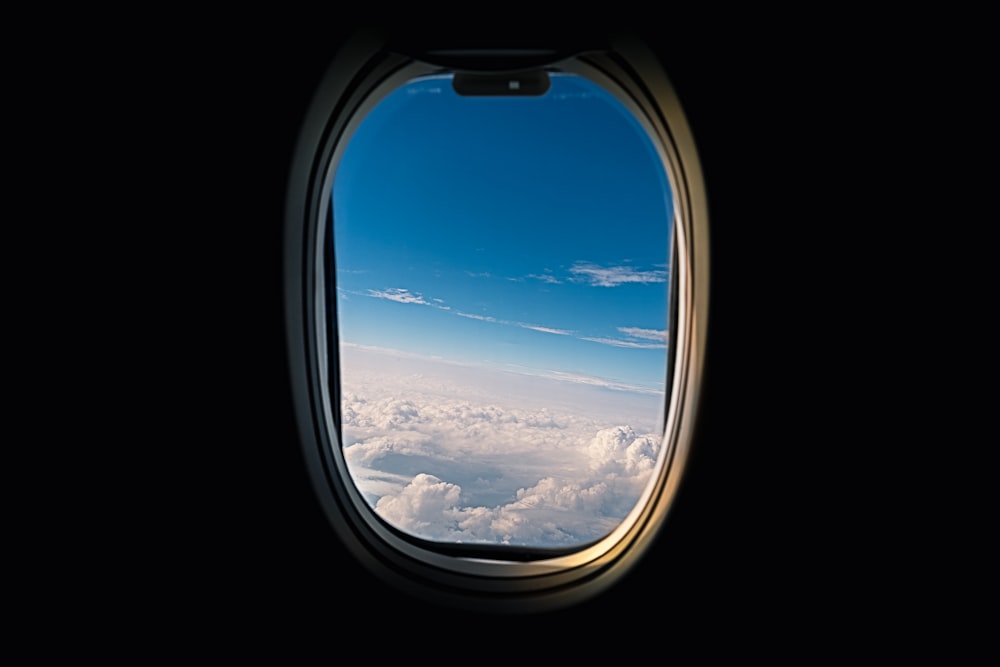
x,y
450,461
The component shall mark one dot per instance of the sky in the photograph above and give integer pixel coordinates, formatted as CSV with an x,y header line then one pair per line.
x,y
527,239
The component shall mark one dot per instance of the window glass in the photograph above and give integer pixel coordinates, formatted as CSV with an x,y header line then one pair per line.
x,y
502,273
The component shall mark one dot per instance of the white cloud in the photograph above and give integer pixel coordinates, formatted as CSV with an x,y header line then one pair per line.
x,y
405,444
403,295
535,327
659,335
398,294
484,318
648,334
613,276
423,508
523,325
620,451
496,458
546,278
597,382
617,342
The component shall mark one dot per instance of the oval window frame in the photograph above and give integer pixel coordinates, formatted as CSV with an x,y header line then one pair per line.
x,y
521,580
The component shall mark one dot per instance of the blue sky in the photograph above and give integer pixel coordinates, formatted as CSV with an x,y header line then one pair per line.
x,y
522,233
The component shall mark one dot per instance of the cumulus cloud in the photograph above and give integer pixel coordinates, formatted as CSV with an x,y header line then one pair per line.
x,y
555,511
368,452
447,461
613,276
423,508
619,451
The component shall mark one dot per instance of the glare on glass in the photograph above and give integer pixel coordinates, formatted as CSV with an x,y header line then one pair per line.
x,y
502,279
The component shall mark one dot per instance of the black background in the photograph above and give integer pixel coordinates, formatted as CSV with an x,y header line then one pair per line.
x,y
232,532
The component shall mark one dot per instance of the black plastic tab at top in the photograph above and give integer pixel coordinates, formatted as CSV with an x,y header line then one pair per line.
x,y
525,83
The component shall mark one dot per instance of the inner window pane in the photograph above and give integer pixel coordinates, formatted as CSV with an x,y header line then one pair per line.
x,y
502,282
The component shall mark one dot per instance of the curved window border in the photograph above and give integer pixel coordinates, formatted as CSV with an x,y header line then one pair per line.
x,y
365,70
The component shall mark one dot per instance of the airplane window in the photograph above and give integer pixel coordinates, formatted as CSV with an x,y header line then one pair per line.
x,y
502,289
496,296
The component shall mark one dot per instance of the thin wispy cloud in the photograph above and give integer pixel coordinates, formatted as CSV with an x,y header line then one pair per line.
x,y
618,342
637,337
399,295
613,276
598,382
535,327
483,318
523,325
647,334
546,278
403,295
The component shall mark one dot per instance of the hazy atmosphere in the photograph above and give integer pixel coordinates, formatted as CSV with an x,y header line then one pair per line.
x,y
502,271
